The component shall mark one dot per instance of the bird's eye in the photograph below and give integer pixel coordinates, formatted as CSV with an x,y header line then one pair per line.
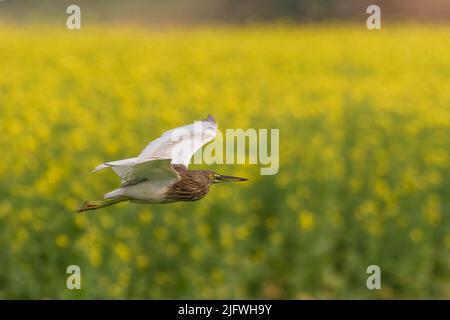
x,y
211,176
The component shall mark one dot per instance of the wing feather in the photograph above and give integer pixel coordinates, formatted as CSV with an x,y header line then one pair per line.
x,y
176,146
181,143
135,170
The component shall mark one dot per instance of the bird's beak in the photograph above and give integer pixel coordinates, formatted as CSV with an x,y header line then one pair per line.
x,y
221,178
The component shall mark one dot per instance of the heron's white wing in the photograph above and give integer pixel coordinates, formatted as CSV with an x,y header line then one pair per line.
x,y
181,143
175,146
135,170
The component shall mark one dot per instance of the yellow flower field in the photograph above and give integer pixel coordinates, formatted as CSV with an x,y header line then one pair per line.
x,y
364,119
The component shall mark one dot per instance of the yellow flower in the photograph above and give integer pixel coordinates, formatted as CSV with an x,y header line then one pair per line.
x,y
416,235
122,251
306,220
432,210
203,230
145,217
217,275
242,233
62,241
95,255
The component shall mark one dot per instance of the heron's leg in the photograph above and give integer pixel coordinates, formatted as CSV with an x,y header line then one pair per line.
x,y
93,205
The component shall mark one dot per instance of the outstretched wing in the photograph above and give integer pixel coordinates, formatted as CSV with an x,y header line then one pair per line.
x,y
135,170
181,143
176,146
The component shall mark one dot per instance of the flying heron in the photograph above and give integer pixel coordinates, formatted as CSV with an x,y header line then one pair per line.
x,y
160,173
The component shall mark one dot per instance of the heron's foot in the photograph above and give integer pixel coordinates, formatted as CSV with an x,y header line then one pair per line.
x,y
91,205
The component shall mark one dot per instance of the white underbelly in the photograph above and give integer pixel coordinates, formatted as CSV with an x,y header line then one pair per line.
x,y
147,191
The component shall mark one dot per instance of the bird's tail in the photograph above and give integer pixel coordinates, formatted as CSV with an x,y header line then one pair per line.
x,y
93,205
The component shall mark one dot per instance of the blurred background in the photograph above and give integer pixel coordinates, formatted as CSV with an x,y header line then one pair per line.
x,y
364,119
170,12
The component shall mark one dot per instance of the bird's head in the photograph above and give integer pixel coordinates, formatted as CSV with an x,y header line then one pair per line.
x,y
214,177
